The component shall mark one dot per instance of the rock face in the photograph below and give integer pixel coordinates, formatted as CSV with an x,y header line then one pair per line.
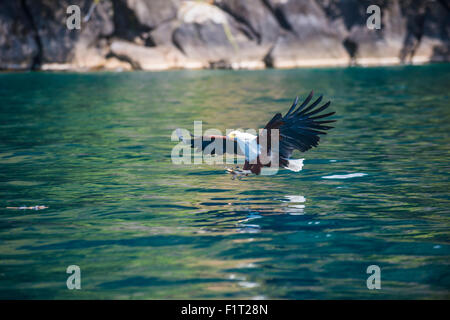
x,y
151,58
255,19
78,48
369,46
167,34
206,33
432,39
19,48
309,38
134,19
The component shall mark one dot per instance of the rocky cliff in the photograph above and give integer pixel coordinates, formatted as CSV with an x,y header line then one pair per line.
x,y
167,34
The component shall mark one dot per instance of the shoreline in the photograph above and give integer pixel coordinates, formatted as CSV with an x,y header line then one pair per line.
x,y
366,63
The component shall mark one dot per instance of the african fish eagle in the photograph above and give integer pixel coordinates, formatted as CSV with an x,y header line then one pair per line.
x,y
299,129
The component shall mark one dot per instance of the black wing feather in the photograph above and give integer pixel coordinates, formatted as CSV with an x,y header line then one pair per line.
x,y
275,122
322,116
298,130
315,103
326,105
293,106
307,100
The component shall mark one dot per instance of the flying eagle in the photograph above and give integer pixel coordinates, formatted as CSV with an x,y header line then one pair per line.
x,y
299,129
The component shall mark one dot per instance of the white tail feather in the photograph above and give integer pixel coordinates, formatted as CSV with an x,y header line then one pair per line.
x,y
295,164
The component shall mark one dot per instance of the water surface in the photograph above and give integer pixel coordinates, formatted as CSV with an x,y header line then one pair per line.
x,y
95,148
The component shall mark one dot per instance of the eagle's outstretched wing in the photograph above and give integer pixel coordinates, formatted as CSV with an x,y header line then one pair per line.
x,y
220,144
301,126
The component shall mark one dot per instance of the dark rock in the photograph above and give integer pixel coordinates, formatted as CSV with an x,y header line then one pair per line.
x,y
411,30
221,64
77,48
158,34
434,42
379,46
255,17
152,13
136,18
206,41
209,35
162,35
19,48
126,23
309,38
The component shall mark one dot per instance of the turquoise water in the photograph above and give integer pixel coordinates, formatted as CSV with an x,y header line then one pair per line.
x,y
95,148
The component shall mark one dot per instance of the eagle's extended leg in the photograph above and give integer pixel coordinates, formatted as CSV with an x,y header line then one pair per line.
x,y
239,173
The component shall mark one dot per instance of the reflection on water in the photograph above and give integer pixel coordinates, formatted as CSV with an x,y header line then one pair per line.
x,y
95,149
345,176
